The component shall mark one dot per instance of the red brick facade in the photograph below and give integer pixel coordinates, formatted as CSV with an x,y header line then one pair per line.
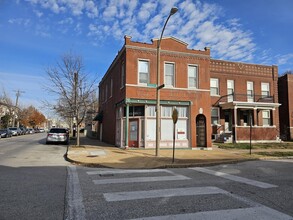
x,y
127,95
285,87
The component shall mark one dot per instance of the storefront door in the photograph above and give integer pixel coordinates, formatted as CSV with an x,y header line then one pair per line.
x,y
133,133
201,131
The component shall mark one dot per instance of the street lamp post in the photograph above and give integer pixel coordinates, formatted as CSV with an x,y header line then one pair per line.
x,y
158,110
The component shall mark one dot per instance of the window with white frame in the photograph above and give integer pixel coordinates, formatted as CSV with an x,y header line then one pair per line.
x,y
192,76
266,117
122,82
265,89
250,93
143,71
182,112
230,90
214,86
215,116
167,123
169,74
151,111
167,111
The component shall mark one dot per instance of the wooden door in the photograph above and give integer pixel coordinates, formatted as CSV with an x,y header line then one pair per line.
x,y
133,133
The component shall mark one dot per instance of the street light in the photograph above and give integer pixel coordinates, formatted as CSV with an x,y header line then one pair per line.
x,y
158,113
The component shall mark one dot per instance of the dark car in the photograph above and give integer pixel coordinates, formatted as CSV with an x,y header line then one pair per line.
x,y
57,135
5,132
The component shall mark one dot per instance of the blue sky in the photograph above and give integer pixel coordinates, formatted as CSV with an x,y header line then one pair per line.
x,y
36,33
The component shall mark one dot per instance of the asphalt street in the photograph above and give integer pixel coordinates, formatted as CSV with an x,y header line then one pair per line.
x,y
32,178
249,190
37,183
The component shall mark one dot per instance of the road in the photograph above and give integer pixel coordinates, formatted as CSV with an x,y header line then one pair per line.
x,y
36,183
33,178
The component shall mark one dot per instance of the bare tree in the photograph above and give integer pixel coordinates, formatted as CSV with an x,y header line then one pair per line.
x,y
6,105
73,88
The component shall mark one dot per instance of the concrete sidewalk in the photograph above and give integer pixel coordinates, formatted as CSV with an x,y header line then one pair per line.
x,y
98,154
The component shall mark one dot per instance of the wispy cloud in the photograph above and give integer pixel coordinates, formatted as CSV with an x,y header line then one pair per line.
x,y
197,23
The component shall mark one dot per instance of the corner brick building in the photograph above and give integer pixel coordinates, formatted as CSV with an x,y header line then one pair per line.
x,y
286,109
215,99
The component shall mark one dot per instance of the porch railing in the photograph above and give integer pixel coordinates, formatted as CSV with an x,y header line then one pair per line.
x,y
245,98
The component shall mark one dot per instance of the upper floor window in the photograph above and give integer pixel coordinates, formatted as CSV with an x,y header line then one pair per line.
x,y
214,83
250,92
230,90
265,89
122,75
192,76
143,71
169,74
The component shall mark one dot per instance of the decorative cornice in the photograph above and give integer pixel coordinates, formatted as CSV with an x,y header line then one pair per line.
x,y
168,52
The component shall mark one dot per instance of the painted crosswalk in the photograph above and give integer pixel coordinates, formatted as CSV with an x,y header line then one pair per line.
x,y
256,213
164,192
234,178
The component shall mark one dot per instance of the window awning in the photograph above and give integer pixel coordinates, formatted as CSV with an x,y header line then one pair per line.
x,y
99,117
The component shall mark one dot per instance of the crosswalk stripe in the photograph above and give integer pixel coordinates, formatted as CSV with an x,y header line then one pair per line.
x,y
259,213
234,178
141,179
133,195
109,172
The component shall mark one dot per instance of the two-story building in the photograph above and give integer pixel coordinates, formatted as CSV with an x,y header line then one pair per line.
x,y
244,100
285,86
211,97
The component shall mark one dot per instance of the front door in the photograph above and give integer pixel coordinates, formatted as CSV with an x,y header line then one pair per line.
x,y
133,133
201,131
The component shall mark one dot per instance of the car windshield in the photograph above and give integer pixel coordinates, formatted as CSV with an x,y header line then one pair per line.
x,y
13,128
58,130
3,130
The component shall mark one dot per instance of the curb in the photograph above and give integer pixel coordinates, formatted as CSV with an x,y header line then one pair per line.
x,y
97,165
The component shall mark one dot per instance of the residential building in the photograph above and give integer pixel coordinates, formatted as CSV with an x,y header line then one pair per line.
x,y
285,86
244,100
212,97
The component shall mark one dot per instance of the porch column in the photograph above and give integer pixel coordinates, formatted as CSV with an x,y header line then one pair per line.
x,y
235,124
126,126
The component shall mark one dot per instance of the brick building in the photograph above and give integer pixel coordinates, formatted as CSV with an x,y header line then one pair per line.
x,y
285,86
214,98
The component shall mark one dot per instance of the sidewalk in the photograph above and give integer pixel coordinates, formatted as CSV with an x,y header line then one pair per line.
x,y
98,154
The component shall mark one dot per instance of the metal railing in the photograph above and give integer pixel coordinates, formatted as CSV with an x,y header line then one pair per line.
x,y
245,98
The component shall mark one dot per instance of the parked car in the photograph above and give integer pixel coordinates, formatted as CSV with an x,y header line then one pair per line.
x,y
4,133
15,131
57,135
23,130
31,131
42,130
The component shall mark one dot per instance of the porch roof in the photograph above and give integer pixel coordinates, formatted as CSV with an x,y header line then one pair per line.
x,y
249,105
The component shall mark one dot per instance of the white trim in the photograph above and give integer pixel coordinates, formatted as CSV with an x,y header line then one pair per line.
x,y
174,88
174,74
197,75
149,68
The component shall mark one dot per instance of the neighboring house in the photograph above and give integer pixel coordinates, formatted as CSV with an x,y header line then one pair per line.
x,y
211,96
244,99
285,86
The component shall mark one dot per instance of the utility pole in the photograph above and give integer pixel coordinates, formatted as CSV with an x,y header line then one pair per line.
x,y
18,92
